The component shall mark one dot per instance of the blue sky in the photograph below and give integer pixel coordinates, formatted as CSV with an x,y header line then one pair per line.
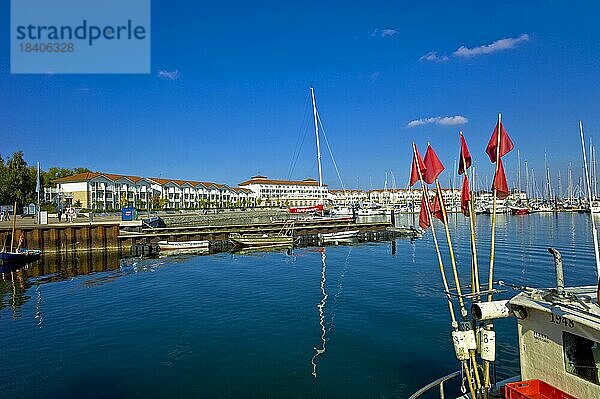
x,y
233,100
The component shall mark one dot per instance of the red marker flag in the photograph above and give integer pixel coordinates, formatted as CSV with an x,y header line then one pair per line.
x,y
414,172
464,154
500,183
433,166
424,221
436,210
465,196
506,144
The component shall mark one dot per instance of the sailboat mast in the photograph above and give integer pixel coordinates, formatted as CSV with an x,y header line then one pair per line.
x,y
314,104
519,170
526,180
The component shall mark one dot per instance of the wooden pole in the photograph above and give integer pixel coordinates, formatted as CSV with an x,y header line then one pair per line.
x,y
475,289
463,309
489,326
12,236
442,271
493,233
435,241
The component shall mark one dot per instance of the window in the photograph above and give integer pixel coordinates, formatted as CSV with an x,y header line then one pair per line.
x,y
582,357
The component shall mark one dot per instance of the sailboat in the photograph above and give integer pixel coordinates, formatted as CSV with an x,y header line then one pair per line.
x,y
17,256
317,211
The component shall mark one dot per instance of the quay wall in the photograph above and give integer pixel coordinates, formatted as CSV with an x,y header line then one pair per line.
x,y
67,238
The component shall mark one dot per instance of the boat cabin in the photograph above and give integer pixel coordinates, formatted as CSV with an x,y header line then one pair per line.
x,y
559,338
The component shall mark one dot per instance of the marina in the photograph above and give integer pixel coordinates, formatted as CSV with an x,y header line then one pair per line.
x,y
296,200
379,311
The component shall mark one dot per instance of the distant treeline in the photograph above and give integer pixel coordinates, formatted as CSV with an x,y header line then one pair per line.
x,y
18,180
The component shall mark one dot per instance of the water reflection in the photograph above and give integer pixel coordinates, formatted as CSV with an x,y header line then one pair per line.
x,y
321,308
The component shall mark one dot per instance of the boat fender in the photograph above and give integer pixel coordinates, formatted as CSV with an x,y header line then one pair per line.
x,y
463,341
490,310
487,344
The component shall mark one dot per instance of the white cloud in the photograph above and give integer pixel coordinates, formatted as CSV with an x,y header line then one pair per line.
x,y
171,75
384,32
498,45
434,57
439,120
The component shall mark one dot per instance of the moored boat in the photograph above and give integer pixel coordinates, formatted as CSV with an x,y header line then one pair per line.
x,y
22,256
347,235
519,210
183,245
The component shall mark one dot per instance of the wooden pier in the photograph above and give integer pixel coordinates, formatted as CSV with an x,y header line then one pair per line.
x,y
66,238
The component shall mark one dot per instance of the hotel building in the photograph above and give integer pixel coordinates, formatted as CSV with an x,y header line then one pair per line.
x,y
269,192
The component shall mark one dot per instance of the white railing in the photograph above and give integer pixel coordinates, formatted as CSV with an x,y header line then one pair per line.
x,y
439,382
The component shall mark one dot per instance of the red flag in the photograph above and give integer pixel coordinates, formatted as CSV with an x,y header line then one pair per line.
x,y
500,183
424,221
465,196
414,173
436,210
433,166
464,154
506,144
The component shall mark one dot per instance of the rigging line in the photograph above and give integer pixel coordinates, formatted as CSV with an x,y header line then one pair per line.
x,y
330,152
301,136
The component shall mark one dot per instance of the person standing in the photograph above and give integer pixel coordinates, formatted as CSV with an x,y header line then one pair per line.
x,y
59,212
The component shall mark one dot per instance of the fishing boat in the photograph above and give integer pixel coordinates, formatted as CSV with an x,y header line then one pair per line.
x,y
348,235
202,245
22,256
283,238
558,330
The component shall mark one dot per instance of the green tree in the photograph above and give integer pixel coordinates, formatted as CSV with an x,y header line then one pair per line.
x,y
19,180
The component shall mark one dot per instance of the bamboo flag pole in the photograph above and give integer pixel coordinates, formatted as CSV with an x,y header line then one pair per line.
x,y
475,289
489,326
435,241
441,265
493,233
461,302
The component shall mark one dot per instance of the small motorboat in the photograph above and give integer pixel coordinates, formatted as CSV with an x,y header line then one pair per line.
x,y
520,210
340,236
183,246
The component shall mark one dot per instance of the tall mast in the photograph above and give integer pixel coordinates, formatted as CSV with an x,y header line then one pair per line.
x,y
570,183
595,171
526,180
314,104
519,170
587,178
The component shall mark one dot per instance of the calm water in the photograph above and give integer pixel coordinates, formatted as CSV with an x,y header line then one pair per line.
x,y
255,326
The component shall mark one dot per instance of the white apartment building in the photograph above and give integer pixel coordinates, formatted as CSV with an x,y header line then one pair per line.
x,y
95,190
271,192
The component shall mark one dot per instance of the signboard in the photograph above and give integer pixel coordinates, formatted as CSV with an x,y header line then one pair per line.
x,y
43,217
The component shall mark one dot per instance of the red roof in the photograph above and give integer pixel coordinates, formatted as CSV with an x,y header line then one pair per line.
x,y
265,180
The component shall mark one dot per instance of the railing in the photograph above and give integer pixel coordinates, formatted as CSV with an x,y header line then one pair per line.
x,y
439,382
